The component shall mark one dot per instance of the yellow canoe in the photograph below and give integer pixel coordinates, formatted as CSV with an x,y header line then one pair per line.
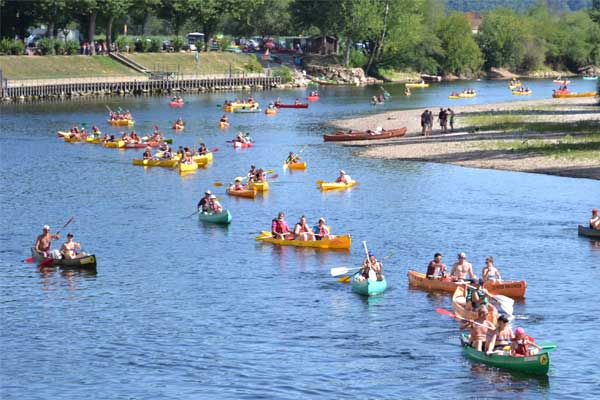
x,y
569,95
453,97
336,185
73,139
121,122
271,111
467,95
338,242
297,165
93,140
259,186
417,85
156,163
114,145
519,93
183,167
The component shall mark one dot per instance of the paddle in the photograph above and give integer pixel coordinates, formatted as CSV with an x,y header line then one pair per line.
x,y
344,279
270,171
451,315
65,225
506,303
218,184
45,262
320,182
274,177
109,110
192,214
337,271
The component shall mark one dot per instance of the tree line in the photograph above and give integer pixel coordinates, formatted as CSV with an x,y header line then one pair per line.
x,y
418,35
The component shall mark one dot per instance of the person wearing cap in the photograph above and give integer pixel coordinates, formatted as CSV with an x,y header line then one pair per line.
x,y
321,230
280,228
595,220
520,344
436,267
371,269
237,185
501,337
68,249
343,178
302,231
490,272
44,241
462,268
479,329
204,203
214,204
147,153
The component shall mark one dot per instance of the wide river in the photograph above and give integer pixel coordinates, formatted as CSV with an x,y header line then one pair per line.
x,y
184,310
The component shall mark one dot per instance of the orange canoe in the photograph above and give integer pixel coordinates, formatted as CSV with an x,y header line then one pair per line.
x,y
459,306
249,193
514,289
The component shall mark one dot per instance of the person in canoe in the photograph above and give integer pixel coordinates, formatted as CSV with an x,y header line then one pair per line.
x,y
407,91
261,176
343,178
237,185
214,205
96,130
69,249
204,203
479,329
187,158
490,272
167,153
321,230
292,158
461,269
277,101
595,220
178,124
476,295
147,153
202,150
279,227
297,102
436,268
44,241
520,344
302,231
501,337
371,269
252,173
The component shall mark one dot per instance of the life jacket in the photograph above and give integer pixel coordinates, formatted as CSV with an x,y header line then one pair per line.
x,y
302,228
278,225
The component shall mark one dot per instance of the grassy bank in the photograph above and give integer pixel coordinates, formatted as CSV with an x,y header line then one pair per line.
x,y
398,76
208,63
508,122
56,67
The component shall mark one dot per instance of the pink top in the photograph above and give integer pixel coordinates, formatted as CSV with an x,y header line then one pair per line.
x,y
279,226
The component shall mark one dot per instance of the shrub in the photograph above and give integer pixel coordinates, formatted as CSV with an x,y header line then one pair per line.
x,y
142,45
155,46
177,43
358,59
59,46
122,43
72,47
47,46
284,72
253,65
5,47
17,47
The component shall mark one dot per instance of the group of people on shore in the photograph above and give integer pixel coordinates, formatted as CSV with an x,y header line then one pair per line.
x,y
68,250
445,117
281,230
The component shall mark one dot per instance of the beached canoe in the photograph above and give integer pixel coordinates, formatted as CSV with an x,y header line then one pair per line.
x,y
184,167
296,165
312,98
368,287
88,262
520,93
459,306
282,105
117,144
561,81
121,122
514,289
537,364
324,186
259,186
589,232
338,242
248,193
417,85
240,145
155,163
224,217
342,136
562,95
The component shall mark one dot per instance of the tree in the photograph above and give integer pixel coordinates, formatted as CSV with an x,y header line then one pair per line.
x,y
177,12
142,11
52,13
112,10
322,15
88,11
461,51
501,39
15,18
356,18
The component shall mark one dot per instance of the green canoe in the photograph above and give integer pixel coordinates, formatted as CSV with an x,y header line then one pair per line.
x,y
589,232
368,287
224,217
535,365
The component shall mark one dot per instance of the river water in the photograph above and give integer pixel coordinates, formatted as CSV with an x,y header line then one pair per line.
x,y
185,310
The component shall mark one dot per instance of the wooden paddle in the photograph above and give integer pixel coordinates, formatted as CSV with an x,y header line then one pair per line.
x,y
451,315
320,182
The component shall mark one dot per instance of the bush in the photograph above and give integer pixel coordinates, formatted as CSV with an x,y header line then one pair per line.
x,y
17,47
59,47
284,72
72,47
122,43
47,46
142,45
5,47
358,59
253,65
155,46
177,43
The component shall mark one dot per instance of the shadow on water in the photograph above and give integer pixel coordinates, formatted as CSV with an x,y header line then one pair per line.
x,y
508,381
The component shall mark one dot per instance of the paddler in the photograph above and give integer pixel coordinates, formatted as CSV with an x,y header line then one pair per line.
x,y
302,231
224,119
321,230
371,269
237,185
343,178
252,173
279,227
436,268
595,220
520,344
479,329
476,295
167,153
501,337
292,158
202,150
68,249
462,268
44,241
204,203
214,204
147,153
490,272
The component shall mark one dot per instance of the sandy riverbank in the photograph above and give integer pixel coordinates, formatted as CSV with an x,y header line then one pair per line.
x,y
492,136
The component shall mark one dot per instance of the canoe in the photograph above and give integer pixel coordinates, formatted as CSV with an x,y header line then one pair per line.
x,y
515,86
155,163
519,93
191,167
417,85
62,134
93,139
233,106
176,103
514,289
534,365
282,105
139,145
246,110
571,94
248,193
338,242
114,145
224,217
324,82
454,97
240,145
223,125
271,111
203,160
259,186
324,186
465,95
88,262
341,136
368,287
561,82
590,78
312,98
589,232
73,139
178,127
121,122
460,309
296,165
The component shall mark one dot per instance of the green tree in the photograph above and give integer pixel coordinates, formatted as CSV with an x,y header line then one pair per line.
x,y
177,12
87,11
324,16
113,10
462,54
501,39
15,18
356,18
51,13
595,11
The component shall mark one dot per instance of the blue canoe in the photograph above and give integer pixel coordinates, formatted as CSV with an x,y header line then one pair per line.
x,y
368,287
224,217
590,78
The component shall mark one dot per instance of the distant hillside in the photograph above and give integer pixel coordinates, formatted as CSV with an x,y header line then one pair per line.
x,y
518,5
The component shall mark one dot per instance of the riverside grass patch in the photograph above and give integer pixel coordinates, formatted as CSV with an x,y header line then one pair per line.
x,y
509,122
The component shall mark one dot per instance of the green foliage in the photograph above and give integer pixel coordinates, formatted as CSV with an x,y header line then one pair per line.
x,y
462,55
501,39
11,47
155,45
253,65
72,47
142,45
59,47
124,41
284,72
358,59
177,42
47,46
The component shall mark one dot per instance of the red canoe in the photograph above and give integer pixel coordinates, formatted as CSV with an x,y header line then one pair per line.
x,y
176,103
368,135
241,145
281,105
312,98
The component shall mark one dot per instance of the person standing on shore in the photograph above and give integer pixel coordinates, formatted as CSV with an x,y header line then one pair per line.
x,y
451,113
430,121
423,123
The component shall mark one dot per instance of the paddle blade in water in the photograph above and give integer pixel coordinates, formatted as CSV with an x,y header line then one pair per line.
x,y
218,184
29,260
46,263
445,312
214,150
270,171
274,176
344,279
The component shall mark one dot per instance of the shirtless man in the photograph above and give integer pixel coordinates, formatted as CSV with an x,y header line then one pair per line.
x,y
595,220
462,268
479,329
44,241
68,249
